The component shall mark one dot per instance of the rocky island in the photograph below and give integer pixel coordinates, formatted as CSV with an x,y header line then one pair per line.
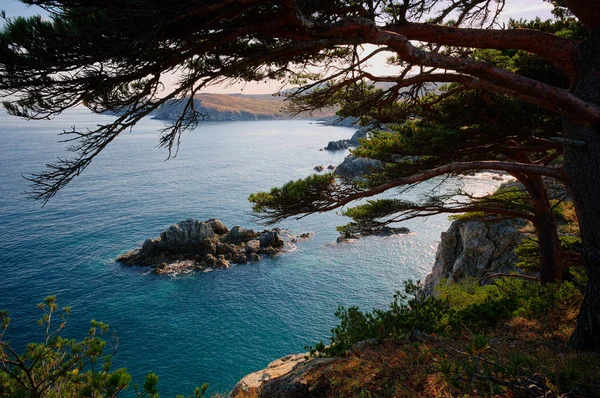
x,y
202,245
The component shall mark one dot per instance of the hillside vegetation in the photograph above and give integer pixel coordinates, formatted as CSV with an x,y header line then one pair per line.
x,y
232,107
260,105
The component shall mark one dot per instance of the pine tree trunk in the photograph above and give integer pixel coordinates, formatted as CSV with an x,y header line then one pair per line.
x,y
582,163
546,230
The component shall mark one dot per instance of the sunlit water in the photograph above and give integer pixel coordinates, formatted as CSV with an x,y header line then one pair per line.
x,y
210,327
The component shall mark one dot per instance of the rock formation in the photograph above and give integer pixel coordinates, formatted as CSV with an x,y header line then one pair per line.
x,y
475,248
284,377
361,133
355,167
337,145
198,245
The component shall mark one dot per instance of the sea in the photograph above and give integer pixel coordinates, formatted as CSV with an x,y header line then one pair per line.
x,y
208,327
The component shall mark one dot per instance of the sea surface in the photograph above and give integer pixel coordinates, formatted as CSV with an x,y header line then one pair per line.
x,y
212,327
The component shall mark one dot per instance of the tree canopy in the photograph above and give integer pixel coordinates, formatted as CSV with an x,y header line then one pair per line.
x,y
110,55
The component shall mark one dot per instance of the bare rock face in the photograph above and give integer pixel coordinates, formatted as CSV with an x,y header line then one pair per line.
x,y
198,245
285,377
337,145
252,246
185,237
475,248
355,167
239,234
271,238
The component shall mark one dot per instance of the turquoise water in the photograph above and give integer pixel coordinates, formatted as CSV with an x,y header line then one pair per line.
x,y
210,327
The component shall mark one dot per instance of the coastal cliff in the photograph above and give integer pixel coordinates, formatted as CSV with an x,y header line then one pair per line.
x,y
473,248
469,248
222,107
235,107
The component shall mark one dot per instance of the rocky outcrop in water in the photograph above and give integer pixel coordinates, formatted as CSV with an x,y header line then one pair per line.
x,y
199,245
355,167
361,133
475,248
337,145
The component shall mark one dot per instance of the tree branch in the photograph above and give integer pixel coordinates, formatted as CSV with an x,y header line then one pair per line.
x,y
448,169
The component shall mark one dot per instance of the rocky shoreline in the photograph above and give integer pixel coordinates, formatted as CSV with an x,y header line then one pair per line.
x,y
469,248
193,245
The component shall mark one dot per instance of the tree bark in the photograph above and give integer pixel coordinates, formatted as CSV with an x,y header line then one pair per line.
x,y
582,163
546,231
544,222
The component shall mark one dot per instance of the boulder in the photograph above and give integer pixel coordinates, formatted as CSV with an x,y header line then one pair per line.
x,y
239,258
226,248
222,262
217,226
252,246
355,167
319,168
270,238
388,231
238,234
336,145
475,248
253,257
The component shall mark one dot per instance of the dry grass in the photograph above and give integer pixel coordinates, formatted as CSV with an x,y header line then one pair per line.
x,y
259,105
523,357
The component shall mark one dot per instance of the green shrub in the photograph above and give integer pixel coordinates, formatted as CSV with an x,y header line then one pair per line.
x,y
60,367
456,307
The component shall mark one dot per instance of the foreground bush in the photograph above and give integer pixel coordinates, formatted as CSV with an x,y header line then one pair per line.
x,y
61,367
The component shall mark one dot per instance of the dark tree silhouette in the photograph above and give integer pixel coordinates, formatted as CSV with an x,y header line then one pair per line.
x,y
111,54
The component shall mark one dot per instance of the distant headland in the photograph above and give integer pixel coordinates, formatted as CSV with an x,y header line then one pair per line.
x,y
235,107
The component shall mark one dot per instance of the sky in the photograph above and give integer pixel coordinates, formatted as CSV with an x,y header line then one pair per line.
x,y
517,9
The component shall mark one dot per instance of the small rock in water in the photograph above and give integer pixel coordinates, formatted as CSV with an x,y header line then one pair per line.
x,y
319,168
271,238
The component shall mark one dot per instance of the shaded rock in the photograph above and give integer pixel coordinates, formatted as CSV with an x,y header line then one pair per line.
x,y
387,231
210,260
355,167
226,248
253,381
217,226
347,237
270,250
252,246
303,236
319,168
336,145
361,133
239,258
285,377
331,167
475,248
239,234
221,261
271,238
298,383
253,257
